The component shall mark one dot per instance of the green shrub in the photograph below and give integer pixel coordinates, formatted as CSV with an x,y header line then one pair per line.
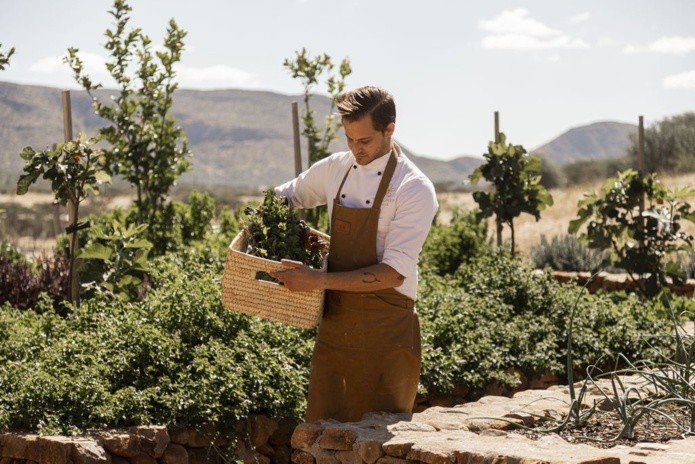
x,y
23,280
177,357
565,253
449,246
494,313
640,222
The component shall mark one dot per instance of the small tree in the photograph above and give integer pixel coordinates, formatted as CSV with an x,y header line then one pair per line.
x,y
641,239
75,170
517,188
147,146
309,70
5,58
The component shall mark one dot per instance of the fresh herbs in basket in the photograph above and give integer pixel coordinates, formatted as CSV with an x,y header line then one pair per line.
x,y
274,231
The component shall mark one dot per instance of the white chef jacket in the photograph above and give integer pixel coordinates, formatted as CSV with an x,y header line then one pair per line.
x,y
407,210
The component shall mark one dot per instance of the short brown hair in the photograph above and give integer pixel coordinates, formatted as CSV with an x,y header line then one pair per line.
x,y
368,100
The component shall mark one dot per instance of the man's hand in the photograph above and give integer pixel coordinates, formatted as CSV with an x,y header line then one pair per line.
x,y
298,277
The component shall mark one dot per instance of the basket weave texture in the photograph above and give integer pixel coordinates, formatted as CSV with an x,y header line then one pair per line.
x,y
242,292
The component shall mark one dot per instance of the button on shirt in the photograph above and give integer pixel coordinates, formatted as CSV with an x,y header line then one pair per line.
x,y
407,210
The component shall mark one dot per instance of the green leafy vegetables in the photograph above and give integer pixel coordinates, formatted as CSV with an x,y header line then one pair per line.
x,y
274,231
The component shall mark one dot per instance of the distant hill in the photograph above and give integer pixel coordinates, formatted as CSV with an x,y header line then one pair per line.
x,y
241,138
598,141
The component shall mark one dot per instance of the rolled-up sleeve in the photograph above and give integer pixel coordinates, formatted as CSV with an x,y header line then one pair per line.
x,y
416,206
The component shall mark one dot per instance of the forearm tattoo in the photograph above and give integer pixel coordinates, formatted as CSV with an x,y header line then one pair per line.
x,y
369,278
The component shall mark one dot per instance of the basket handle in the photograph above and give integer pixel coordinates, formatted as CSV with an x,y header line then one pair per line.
x,y
264,265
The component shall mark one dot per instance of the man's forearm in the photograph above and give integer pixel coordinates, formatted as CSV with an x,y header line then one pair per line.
x,y
377,277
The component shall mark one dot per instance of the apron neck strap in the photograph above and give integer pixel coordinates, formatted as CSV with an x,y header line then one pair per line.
x,y
385,180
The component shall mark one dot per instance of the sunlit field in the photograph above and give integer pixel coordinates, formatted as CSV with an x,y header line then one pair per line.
x,y
554,220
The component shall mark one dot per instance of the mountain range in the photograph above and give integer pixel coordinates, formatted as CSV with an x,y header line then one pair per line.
x,y
243,138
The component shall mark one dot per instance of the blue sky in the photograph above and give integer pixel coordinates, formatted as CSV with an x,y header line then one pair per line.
x,y
546,66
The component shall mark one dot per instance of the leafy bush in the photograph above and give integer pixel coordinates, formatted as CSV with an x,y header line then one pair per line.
x,y
640,222
116,260
177,357
449,246
517,188
565,253
23,280
493,314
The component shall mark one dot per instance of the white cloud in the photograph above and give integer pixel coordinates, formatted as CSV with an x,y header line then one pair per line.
x,y
215,77
668,45
580,18
685,80
515,30
94,65
211,77
607,42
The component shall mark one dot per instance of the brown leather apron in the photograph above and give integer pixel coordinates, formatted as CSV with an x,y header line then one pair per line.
x,y
367,352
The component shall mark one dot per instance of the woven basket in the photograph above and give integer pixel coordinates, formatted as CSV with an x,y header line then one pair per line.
x,y
242,292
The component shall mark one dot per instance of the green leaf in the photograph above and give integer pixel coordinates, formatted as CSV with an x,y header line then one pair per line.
x,y
96,251
575,225
139,243
27,153
533,163
25,181
476,175
102,177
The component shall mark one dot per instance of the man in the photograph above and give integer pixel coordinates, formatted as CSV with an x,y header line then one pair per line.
x,y
367,352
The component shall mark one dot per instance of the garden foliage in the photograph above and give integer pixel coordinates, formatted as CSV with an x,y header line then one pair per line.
x,y
565,253
639,222
148,147
517,189
5,58
23,279
493,313
174,355
309,70
275,232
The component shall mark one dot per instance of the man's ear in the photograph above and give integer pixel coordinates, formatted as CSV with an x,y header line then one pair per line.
x,y
390,129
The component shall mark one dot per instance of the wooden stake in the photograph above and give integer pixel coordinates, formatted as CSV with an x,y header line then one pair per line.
x,y
297,148
72,207
497,127
297,142
642,167
641,161
498,223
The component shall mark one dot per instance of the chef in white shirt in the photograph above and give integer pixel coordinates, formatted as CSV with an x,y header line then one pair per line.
x,y
367,352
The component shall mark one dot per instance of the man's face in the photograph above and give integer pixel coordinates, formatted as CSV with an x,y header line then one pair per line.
x,y
366,143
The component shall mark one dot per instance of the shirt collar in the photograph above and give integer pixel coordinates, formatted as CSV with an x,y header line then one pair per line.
x,y
378,164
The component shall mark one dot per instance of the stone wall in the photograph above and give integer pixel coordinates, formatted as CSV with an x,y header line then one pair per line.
x,y
256,440
614,282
